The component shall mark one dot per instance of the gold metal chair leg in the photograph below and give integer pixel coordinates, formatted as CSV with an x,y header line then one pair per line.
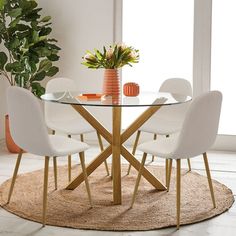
x,y
14,175
102,148
81,137
154,138
167,170
178,189
138,179
69,164
107,169
169,174
69,168
55,171
45,190
189,164
209,179
134,148
81,154
111,168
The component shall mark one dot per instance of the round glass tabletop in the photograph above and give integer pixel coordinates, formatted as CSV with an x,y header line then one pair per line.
x,y
143,99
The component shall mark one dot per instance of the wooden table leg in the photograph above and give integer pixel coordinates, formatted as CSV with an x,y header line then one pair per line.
x,y
145,173
93,121
116,136
90,168
116,148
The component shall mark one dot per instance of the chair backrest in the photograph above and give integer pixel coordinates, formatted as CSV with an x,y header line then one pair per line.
x,y
200,126
175,86
27,125
59,111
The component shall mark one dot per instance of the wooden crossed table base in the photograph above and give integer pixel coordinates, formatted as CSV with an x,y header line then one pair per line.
x,y
116,148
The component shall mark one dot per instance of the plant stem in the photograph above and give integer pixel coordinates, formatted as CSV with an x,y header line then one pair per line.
x,y
11,59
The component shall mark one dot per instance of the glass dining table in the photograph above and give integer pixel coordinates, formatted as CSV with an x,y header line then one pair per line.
x,y
152,101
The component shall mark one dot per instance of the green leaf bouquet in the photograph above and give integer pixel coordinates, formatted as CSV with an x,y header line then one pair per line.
x,y
113,57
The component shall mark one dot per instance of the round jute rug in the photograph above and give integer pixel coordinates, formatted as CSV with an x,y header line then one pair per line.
x,y
152,209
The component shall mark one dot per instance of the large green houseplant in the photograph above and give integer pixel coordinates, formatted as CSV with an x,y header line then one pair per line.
x,y
27,52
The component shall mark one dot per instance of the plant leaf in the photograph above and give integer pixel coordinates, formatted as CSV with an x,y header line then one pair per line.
x,y
3,59
45,65
35,36
37,89
52,71
8,67
14,22
45,19
39,76
15,12
2,4
53,57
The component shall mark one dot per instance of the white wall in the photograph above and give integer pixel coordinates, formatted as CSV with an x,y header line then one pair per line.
x,y
79,25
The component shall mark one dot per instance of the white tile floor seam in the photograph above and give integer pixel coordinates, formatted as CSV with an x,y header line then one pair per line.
x,y
223,169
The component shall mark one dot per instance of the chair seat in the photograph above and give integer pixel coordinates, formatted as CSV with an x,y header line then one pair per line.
x,y
162,126
72,127
65,146
162,147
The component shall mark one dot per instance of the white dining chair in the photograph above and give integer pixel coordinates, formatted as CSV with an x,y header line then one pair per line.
x,y
197,135
169,119
29,132
64,119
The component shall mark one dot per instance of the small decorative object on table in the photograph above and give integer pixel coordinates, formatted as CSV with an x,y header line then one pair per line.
x,y
111,59
131,89
89,96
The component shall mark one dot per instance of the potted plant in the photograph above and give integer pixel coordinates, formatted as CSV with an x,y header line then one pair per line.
x,y
111,59
28,52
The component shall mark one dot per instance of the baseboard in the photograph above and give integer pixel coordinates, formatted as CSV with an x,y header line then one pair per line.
x,y
225,143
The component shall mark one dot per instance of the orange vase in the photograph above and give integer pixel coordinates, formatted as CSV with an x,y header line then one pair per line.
x,y
11,146
111,82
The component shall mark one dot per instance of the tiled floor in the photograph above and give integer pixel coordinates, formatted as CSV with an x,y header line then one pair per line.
x,y
223,166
